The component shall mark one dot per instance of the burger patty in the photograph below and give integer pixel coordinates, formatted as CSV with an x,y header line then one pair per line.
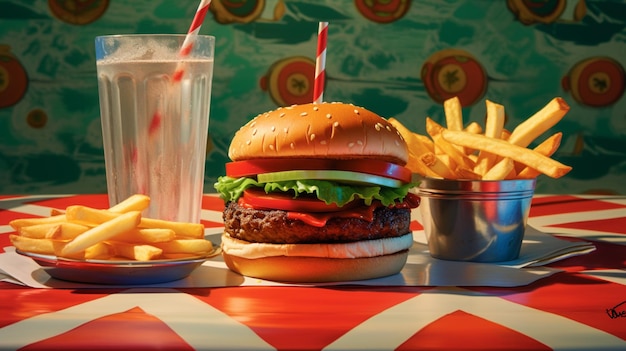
x,y
273,226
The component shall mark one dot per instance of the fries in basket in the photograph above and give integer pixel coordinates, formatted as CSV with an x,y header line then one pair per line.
x,y
117,233
489,153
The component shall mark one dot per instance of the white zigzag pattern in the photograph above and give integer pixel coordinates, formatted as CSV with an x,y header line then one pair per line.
x,y
383,332
198,323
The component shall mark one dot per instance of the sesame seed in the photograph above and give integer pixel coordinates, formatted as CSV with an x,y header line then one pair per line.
x,y
329,116
336,124
388,128
303,114
356,111
292,146
312,137
248,142
350,145
282,114
254,131
271,147
377,126
273,128
286,130
359,142
315,108
253,124
323,142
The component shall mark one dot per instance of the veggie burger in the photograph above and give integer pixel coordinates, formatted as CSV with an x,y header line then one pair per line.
x,y
317,193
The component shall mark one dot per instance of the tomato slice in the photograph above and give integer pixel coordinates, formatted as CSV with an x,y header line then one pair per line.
x,y
258,199
374,167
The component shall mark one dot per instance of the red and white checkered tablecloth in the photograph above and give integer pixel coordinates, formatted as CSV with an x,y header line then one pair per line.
x,y
581,308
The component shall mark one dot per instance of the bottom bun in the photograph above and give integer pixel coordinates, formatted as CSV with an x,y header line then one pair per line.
x,y
299,269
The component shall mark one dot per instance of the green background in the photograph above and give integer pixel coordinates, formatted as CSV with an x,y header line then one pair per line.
x,y
50,140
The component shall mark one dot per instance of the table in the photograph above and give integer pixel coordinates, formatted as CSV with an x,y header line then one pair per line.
x,y
582,307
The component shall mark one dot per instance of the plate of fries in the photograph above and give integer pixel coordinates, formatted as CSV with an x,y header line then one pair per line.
x,y
115,272
458,151
112,246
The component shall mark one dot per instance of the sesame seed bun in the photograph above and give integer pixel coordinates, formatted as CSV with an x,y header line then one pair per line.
x,y
326,130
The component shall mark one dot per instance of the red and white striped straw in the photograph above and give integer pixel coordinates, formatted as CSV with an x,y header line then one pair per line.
x,y
190,39
320,63
185,50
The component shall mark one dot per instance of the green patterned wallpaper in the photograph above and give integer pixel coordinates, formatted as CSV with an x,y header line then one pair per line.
x,y
519,53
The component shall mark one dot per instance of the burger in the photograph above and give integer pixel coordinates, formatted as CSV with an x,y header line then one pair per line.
x,y
317,193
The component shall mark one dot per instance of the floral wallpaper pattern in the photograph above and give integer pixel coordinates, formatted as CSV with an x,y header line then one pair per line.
x,y
399,58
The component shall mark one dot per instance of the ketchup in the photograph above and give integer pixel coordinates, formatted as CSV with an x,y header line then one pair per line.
x,y
320,219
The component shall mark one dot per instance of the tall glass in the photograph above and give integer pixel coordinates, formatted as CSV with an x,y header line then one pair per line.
x,y
154,125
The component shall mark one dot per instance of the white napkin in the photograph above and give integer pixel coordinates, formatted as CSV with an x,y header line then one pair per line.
x,y
421,269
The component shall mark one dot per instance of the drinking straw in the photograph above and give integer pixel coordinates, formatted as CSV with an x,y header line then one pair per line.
x,y
185,51
191,36
320,63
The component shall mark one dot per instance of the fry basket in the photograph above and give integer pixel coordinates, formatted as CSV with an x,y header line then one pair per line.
x,y
478,221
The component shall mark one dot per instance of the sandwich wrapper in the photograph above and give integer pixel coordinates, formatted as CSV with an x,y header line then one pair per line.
x,y
421,269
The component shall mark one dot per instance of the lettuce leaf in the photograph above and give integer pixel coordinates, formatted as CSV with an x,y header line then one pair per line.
x,y
230,189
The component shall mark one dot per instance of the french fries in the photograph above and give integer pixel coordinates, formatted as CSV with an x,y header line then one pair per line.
x,y
454,153
454,117
492,153
24,222
136,202
118,225
421,145
534,126
34,245
493,129
500,170
59,231
503,148
117,233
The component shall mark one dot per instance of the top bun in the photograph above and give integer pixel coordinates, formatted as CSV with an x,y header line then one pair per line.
x,y
326,130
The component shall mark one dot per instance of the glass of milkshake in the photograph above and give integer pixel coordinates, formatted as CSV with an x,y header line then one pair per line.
x,y
154,106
